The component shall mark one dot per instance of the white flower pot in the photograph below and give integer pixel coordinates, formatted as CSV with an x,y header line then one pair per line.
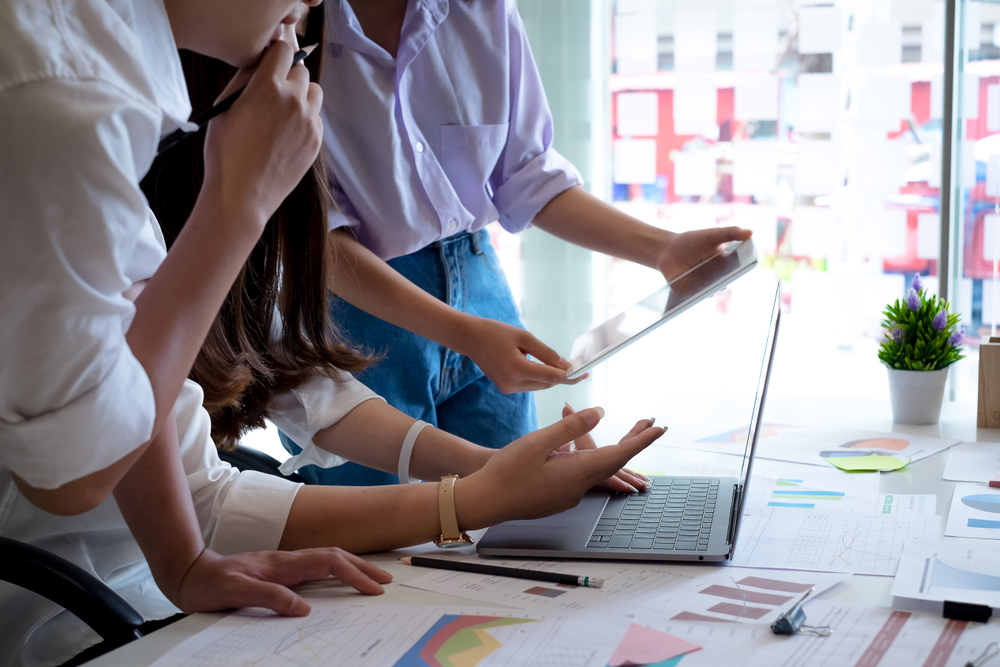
x,y
917,395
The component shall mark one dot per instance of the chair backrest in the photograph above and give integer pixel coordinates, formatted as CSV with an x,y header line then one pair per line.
x,y
248,458
72,588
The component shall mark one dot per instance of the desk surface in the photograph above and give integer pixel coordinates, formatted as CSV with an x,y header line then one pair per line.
x,y
923,477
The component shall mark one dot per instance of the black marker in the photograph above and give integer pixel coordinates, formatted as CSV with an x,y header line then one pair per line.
x,y
496,570
202,119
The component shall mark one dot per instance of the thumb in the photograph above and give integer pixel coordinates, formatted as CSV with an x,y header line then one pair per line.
x,y
576,425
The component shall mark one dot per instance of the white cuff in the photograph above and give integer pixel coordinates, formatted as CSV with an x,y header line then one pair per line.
x,y
254,514
407,451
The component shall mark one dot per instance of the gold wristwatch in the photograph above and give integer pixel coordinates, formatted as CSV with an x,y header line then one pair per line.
x,y
451,536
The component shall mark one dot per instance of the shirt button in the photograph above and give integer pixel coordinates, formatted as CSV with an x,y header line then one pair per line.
x,y
419,146
452,225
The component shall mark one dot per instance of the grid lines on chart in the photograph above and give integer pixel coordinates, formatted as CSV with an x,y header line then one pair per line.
x,y
861,544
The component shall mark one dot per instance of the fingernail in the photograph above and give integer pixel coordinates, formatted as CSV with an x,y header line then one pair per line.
x,y
600,412
652,420
570,407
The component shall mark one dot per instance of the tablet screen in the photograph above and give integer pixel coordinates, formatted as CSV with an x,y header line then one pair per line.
x,y
663,304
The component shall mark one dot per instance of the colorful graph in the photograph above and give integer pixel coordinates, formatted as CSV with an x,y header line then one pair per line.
x,y
983,502
788,493
946,576
741,601
457,641
740,435
891,444
544,592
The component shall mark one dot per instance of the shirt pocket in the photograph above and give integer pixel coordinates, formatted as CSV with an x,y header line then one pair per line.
x,y
469,153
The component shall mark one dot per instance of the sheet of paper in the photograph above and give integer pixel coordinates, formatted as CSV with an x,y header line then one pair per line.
x,y
755,168
814,231
345,633
695,104
928,235
973,462
936,570
820,29
755,38
881,168
695,41
868,463
817,168
762,221
756,97
737,595
638,114
923,504
695,172
806,488
862,637
975,512
880,45
820,104
623,584
776,537
635,161
814,446
645,646
882,232
636,50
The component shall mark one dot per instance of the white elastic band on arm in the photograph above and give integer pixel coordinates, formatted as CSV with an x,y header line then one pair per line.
x,y
407,450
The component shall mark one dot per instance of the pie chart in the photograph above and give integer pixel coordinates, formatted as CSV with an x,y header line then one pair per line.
x,y
893,444
983,502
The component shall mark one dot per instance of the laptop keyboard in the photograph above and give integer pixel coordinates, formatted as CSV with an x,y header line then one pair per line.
x,y
675,514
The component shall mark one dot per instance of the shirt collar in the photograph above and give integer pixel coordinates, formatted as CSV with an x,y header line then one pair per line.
x,y
166,76
422,17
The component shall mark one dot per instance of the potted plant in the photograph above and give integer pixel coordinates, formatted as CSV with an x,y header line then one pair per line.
x,y
921,341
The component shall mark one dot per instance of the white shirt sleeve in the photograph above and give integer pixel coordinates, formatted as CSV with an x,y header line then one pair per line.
x,y
237,511
73,398
311,407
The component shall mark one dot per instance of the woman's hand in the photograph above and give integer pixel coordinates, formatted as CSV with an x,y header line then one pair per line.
x,y
623,481
501,350
262,579
687,250
257,152
529,478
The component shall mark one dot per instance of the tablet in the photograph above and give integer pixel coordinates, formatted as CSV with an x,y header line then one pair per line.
x,y
666,303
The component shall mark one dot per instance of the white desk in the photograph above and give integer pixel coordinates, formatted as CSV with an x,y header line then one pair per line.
x,y
924,477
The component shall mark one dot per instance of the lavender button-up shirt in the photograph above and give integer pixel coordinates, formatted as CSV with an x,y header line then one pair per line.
x,y
451,134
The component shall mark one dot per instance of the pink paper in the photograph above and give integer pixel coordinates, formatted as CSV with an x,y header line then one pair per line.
x,y
644,646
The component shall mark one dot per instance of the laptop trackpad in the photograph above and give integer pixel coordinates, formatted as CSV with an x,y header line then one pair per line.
x,y
566,530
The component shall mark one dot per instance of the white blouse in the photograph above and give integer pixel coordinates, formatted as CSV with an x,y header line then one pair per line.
x,y
86,89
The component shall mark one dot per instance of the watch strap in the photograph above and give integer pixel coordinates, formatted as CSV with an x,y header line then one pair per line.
x,y
451,535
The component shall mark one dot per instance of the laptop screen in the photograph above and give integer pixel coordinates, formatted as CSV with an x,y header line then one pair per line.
x,y
758,410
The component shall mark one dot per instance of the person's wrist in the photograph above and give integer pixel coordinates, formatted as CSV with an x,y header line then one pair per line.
x,y
473,504
236,213
460,331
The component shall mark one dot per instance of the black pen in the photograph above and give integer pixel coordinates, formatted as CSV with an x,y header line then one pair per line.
x,y
202,119
514,572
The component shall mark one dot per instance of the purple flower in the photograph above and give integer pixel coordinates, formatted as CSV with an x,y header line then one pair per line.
x,y
917,285
913,300
896,334
940,320
956,338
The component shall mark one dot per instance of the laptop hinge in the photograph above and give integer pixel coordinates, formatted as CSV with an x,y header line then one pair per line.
x,y
737,490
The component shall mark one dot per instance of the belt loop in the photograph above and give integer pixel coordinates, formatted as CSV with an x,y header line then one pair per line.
x,y
477,247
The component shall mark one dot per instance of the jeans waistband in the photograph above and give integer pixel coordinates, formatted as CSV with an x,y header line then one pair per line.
x,y
475,239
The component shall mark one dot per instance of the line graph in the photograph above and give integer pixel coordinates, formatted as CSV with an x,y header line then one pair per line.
x,y
829,542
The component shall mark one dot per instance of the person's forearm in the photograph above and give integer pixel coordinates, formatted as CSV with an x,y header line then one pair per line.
x,y
177,307
155,501
435,453
582,219
364,280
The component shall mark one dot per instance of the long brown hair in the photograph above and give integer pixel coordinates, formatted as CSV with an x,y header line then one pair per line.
x,y
244,361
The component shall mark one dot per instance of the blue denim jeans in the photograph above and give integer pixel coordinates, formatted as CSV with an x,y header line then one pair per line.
x,y
428,381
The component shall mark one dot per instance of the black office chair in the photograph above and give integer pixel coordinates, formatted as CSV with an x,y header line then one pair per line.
x,y
87,597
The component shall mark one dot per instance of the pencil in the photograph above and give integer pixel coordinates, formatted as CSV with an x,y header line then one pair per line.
x,y
496,570
202,119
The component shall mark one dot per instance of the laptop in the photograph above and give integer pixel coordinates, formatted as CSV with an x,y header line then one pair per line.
x,y
676,519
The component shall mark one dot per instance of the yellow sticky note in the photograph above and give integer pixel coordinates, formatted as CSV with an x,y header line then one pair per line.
x,y
870,463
